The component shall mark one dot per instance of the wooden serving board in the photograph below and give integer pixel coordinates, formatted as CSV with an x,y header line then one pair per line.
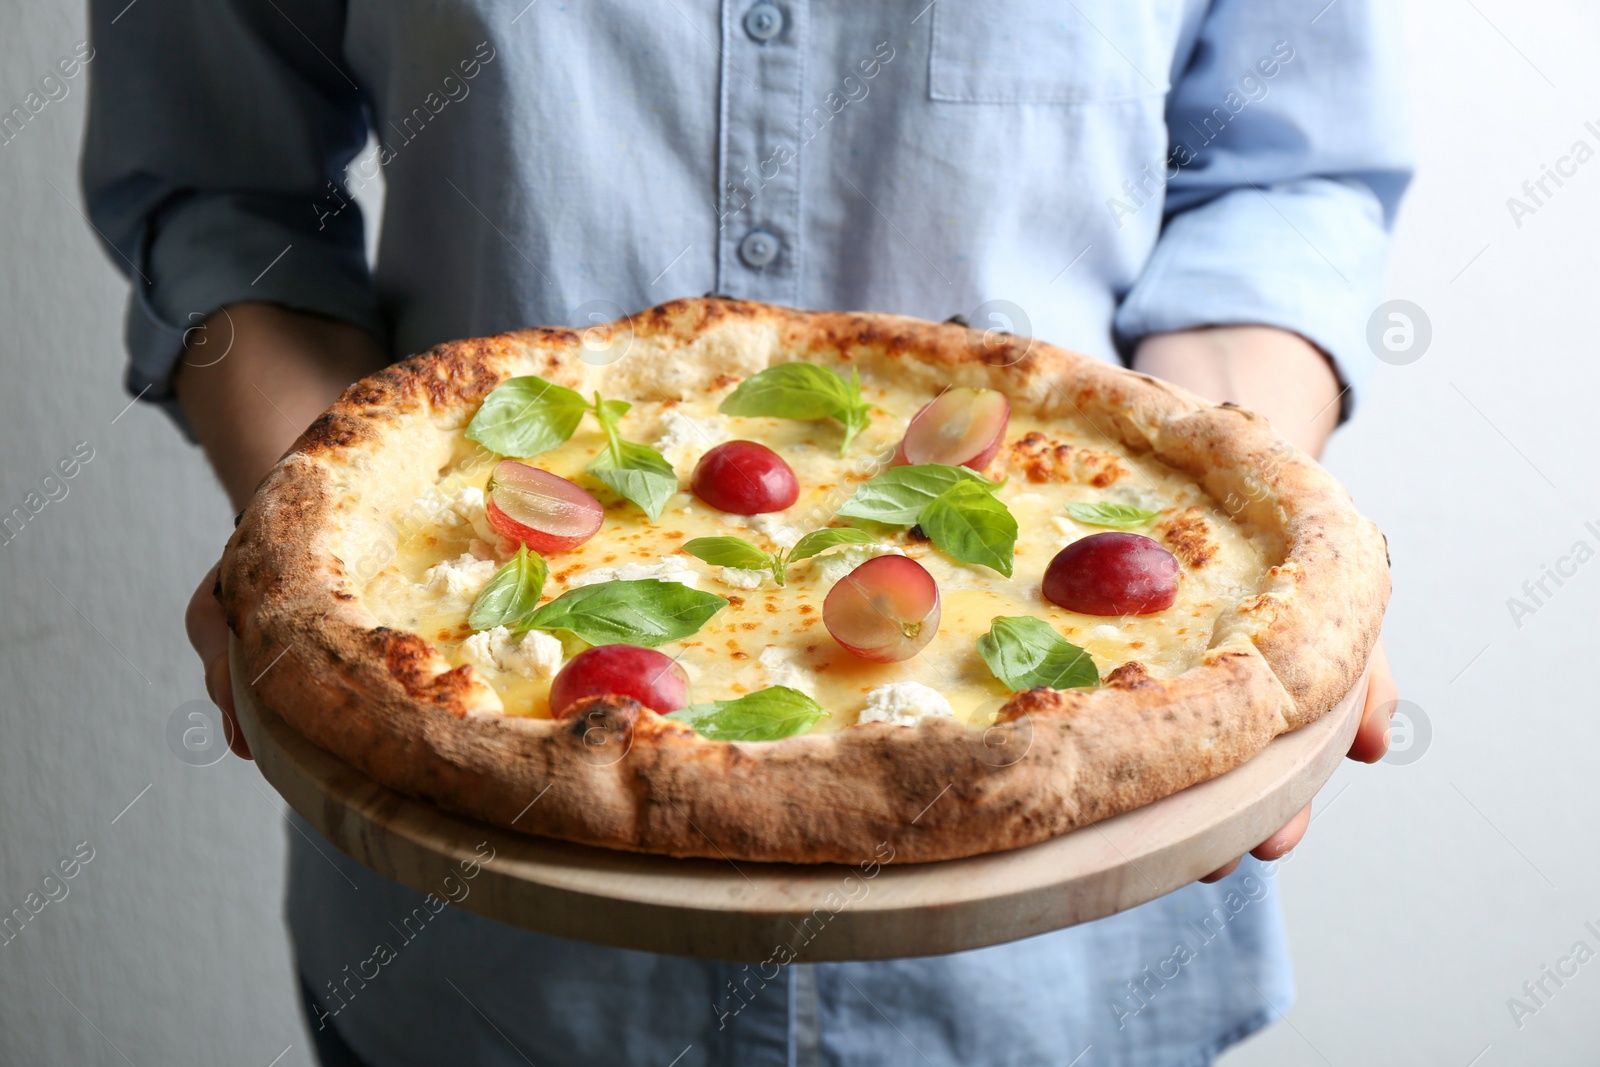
x,y
752,912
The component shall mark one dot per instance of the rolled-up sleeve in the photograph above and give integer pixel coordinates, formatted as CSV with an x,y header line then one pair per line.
x,y
1289,154
213,164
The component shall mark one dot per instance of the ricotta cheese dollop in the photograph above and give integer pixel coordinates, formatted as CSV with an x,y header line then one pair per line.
x,y
772,524
460,580
685,439
739,578
465,506
782,669
534,654
905,704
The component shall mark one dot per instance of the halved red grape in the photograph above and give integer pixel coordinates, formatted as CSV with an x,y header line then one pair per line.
x,y
542,510
1112,574
885,610
744,478
960,427
648,676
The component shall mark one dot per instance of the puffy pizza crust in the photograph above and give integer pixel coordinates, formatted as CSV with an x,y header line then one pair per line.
x,y
620,776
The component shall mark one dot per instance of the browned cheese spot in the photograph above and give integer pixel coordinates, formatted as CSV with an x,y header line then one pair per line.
x,y
1040,458
1188,535
1131,675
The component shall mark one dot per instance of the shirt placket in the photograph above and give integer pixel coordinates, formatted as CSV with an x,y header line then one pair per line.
x,y
758,187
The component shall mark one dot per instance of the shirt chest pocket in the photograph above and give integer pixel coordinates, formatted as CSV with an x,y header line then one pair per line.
x,y
1050,51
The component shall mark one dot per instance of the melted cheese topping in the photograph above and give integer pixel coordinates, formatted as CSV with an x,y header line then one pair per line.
x,y
769,635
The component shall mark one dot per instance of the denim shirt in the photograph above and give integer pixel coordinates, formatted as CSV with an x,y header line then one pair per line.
x,y
1083,171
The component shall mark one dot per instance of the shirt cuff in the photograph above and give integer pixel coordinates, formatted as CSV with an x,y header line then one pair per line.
x,y
1305,256
214,250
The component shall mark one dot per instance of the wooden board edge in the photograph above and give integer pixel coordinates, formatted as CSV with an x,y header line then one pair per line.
x,y
389,834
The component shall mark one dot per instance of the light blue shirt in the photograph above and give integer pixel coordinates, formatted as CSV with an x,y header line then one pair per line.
x,y
1084,171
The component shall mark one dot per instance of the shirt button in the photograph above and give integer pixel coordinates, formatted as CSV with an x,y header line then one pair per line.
x,y
763,22
758,249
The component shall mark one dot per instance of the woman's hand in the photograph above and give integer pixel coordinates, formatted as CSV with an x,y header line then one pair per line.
x,y
254,377
1370,744
208,633
1284,377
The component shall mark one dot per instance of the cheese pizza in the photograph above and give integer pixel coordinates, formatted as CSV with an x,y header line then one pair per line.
x,y
731,580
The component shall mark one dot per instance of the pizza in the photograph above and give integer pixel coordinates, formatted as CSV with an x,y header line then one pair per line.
x,y
731,580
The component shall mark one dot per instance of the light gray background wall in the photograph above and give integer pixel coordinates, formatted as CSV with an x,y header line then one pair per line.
x,y
1425,896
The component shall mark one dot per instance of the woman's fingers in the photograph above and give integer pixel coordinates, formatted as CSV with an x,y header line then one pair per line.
x,y
1286,838
208,633
1372,736
1222,872
1272,848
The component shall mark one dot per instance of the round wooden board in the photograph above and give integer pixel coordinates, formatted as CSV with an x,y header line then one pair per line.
x,y
753,912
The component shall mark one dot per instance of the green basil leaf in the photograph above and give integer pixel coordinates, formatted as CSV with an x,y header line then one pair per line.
x,y
898,495
1024,652
730,552
638,473
765,715
512,593
855,417
819,541
610,412
1114,516
525,416
801,390
632,455
797,390
645,612
966,522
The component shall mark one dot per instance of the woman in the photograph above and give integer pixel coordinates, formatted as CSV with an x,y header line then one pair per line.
x,y
1202,189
